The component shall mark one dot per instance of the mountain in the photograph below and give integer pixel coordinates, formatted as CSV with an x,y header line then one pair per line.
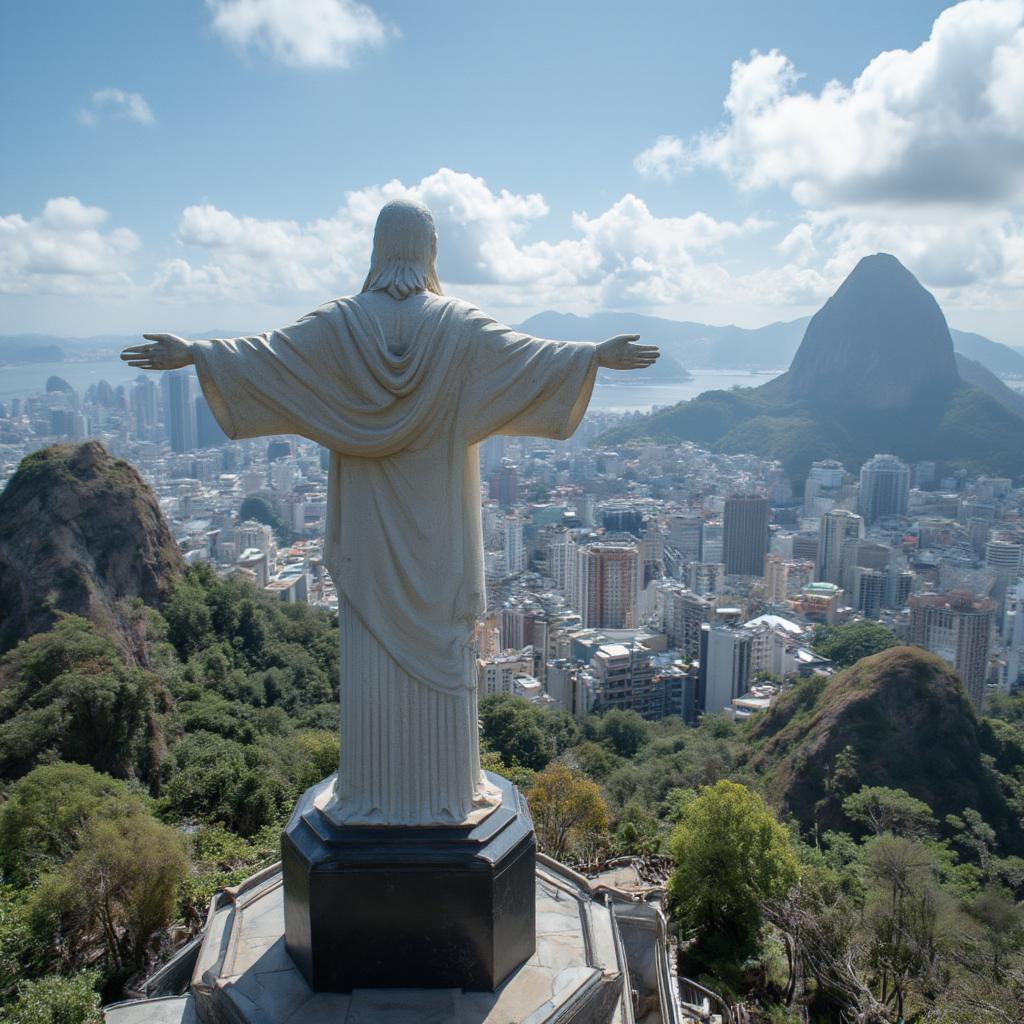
x,y
30,349
693,344
905,719
875,372
999,359
978,376
880,342
79,531
737,348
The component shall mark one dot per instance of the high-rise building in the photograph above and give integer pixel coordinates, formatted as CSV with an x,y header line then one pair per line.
x,y
884,488
1004,555
745,534
823,486
623,675
208,431
622,519
606,585
837,527
957,626
180,410
566,687
712,543
725,666
705,577
870,589
864,553
686,535
1015,636
805,548
685,614
515,551
504,485
901,585
145,403
776,572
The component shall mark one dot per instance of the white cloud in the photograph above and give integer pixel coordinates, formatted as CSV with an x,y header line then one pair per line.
x,y
941,123
64,250
300,33
665,159
625,255
116,103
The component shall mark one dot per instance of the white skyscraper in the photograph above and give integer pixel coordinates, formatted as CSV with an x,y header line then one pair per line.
x,y
515,552
837,527
180,410
884,488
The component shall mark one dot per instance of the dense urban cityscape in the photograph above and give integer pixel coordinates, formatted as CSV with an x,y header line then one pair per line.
x,y
562,562
661,579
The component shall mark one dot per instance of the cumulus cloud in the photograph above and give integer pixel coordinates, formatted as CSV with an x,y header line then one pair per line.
x,y
300,33
64,250
941,123
668,157
116,103
624,255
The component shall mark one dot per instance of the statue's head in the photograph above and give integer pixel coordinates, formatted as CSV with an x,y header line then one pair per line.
x,y
404,251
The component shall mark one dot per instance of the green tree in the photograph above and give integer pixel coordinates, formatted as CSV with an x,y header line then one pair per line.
x,y
261,509
568,811
975,836
1001,925
67,693
119,888
47,811
731,855
882,809
56,1000
637,832
511,729
624,731
847,644
907,916
211,778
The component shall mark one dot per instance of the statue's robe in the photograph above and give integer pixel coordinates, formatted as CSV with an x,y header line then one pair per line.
x,y
402,393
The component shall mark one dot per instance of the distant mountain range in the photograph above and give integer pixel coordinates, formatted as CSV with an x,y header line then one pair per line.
x,y
736,348
876,371
686,344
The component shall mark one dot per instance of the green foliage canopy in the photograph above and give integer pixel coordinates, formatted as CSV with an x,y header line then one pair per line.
x,y
730,856
845,645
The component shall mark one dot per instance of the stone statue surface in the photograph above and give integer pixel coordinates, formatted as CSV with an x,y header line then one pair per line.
x,y
401,383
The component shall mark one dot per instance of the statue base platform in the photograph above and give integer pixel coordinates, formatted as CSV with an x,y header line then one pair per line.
x,y
385,908
601,958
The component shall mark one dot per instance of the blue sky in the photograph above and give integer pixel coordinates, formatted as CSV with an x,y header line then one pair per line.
x,y
210,163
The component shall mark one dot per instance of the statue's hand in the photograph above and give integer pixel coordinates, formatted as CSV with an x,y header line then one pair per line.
x,y
622,353
167,352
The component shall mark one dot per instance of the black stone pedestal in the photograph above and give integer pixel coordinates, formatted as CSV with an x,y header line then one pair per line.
x,y
409,907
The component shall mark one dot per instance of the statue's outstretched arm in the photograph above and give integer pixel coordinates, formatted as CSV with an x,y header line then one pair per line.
x,y
623,353
165,352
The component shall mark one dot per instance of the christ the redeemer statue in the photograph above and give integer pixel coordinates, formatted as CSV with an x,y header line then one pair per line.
x,y
401,384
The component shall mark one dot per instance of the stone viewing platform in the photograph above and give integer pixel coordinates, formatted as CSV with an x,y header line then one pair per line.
x,y
600,958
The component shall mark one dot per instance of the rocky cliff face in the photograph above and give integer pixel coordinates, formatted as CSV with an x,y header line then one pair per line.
x,y
79,531
879,343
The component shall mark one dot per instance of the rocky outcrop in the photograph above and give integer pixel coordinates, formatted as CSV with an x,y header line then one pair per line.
x,y
880,342
900,719
79,532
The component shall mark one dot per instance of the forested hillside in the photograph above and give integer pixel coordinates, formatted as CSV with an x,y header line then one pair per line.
x,y
857,850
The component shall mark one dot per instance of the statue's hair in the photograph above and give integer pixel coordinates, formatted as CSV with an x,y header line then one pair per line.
x,y
404,251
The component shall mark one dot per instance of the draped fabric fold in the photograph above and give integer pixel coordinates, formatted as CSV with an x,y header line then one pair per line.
x,y
402,393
